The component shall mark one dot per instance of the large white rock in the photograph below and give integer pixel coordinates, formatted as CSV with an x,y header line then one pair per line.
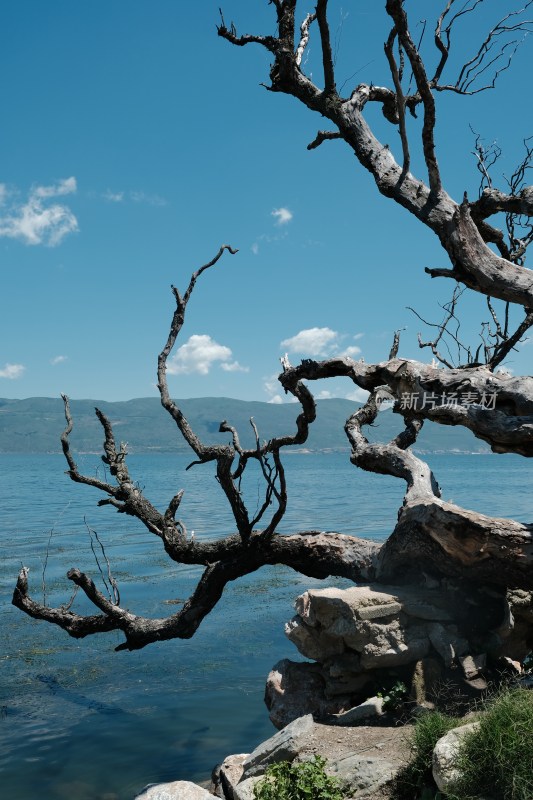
x,y
177,790
445,771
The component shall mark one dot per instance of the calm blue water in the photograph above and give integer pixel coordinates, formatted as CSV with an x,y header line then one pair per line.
x,y
79,721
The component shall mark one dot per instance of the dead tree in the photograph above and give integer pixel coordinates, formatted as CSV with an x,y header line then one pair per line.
x,y
431,536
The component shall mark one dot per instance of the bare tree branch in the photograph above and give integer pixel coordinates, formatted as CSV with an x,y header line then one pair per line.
x,y
496,408
327,58
400,101
323,136
398,15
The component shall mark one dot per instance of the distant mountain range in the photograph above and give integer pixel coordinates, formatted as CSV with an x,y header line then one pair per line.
x,y
34,425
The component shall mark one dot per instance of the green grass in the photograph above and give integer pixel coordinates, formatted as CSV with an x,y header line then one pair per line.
x,y
416,780
497,759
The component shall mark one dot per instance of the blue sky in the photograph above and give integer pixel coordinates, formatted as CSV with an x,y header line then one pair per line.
x,y
135,142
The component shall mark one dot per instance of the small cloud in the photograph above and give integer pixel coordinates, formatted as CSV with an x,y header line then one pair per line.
x,y
351,351
234,366
255,248
35,222
149,199
3,193
65,186
282,215
199,354
358,336
312,341
58,360
324,395
271,386
359,395
12,371
113,197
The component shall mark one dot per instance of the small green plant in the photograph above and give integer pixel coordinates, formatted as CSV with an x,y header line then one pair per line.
x,y
497,758
394,697
304,781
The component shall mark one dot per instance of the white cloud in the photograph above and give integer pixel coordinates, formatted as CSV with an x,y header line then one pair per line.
x,y
12,371
282,215
255,248
311,342
113,197
150,199
199,354
359,395
271,386
3,193
324,395
65,186
58,360
351,351
234,366
35,222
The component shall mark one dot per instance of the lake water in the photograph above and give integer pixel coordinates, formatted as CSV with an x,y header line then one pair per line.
x,y
81,722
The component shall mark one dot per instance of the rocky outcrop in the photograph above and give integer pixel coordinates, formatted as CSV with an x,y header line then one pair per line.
x,y
363,638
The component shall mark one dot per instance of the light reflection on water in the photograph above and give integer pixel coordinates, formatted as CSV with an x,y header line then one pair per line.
x,y
77,719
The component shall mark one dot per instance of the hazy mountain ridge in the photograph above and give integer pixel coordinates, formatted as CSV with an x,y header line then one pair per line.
x,y
34,425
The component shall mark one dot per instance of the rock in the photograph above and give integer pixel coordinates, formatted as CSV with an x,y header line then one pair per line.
x,y
426,605
359,776
347,663
470,668
359,635
513,667
227,775
245,790
376,612
177,790
283,746
346,685
312,642
373,707
427,677
445,771
402,647
296,689
447,642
